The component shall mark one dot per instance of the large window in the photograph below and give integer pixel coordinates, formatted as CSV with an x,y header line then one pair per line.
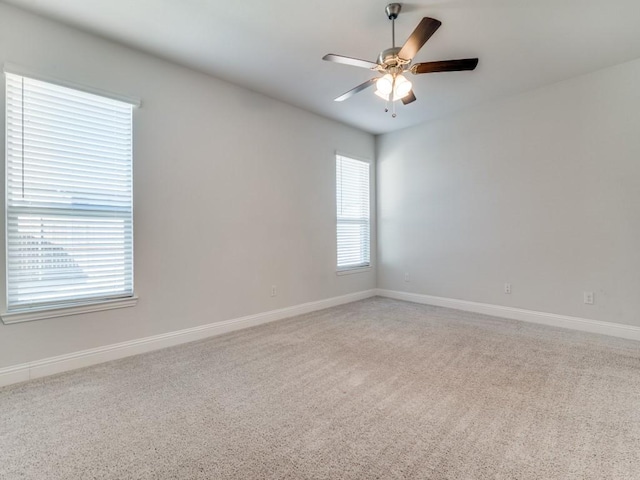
x,y
68,196
353,222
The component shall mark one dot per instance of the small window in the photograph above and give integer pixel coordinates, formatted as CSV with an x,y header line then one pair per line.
x,y
353,222
69,196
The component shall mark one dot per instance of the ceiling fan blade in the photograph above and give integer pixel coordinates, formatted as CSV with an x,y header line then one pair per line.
x,y
355,62
355,90
419,37
445,66
409,98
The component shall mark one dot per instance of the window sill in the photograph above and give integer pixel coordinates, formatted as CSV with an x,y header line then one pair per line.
x,y
28,315
351,271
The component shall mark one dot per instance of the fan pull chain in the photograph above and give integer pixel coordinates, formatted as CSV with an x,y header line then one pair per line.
x,y
392,96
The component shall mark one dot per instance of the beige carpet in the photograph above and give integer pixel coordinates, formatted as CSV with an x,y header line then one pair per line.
x,y
375,389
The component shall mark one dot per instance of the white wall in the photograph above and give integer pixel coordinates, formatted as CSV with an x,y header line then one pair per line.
x,y
233,192
541,190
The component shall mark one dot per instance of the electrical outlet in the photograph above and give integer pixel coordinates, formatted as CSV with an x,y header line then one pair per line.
x,y
589,298
406,277
274,290
507,288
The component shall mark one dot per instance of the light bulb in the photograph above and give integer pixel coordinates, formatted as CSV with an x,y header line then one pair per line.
x,y
385,84
402,88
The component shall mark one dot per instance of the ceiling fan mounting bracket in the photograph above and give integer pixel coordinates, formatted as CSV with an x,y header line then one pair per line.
x,y
393,10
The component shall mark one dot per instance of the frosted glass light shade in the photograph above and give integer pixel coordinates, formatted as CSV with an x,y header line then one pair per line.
x,y
402,89
382,95
385,84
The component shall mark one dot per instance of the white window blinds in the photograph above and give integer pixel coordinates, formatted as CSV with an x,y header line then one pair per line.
x,y
69,196
353,224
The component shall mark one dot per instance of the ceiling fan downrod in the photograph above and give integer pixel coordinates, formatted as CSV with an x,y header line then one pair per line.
x,y
393,10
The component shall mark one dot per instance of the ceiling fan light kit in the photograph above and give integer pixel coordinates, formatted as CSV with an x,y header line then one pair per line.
x,y
398,85
394,62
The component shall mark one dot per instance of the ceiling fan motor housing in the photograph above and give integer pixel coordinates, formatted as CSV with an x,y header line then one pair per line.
x,y
389,58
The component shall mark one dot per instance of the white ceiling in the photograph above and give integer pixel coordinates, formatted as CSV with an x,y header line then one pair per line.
x,y
276,46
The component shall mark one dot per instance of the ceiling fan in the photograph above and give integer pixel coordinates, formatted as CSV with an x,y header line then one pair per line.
x,y
393,62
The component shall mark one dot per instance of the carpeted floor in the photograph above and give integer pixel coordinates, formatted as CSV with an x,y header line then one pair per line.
x,y
375,389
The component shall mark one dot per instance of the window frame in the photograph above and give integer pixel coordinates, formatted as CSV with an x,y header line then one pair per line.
x,y
355,268
59,308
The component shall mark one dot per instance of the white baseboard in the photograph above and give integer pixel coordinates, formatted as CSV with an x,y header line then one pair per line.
x,y
85,358
574,323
